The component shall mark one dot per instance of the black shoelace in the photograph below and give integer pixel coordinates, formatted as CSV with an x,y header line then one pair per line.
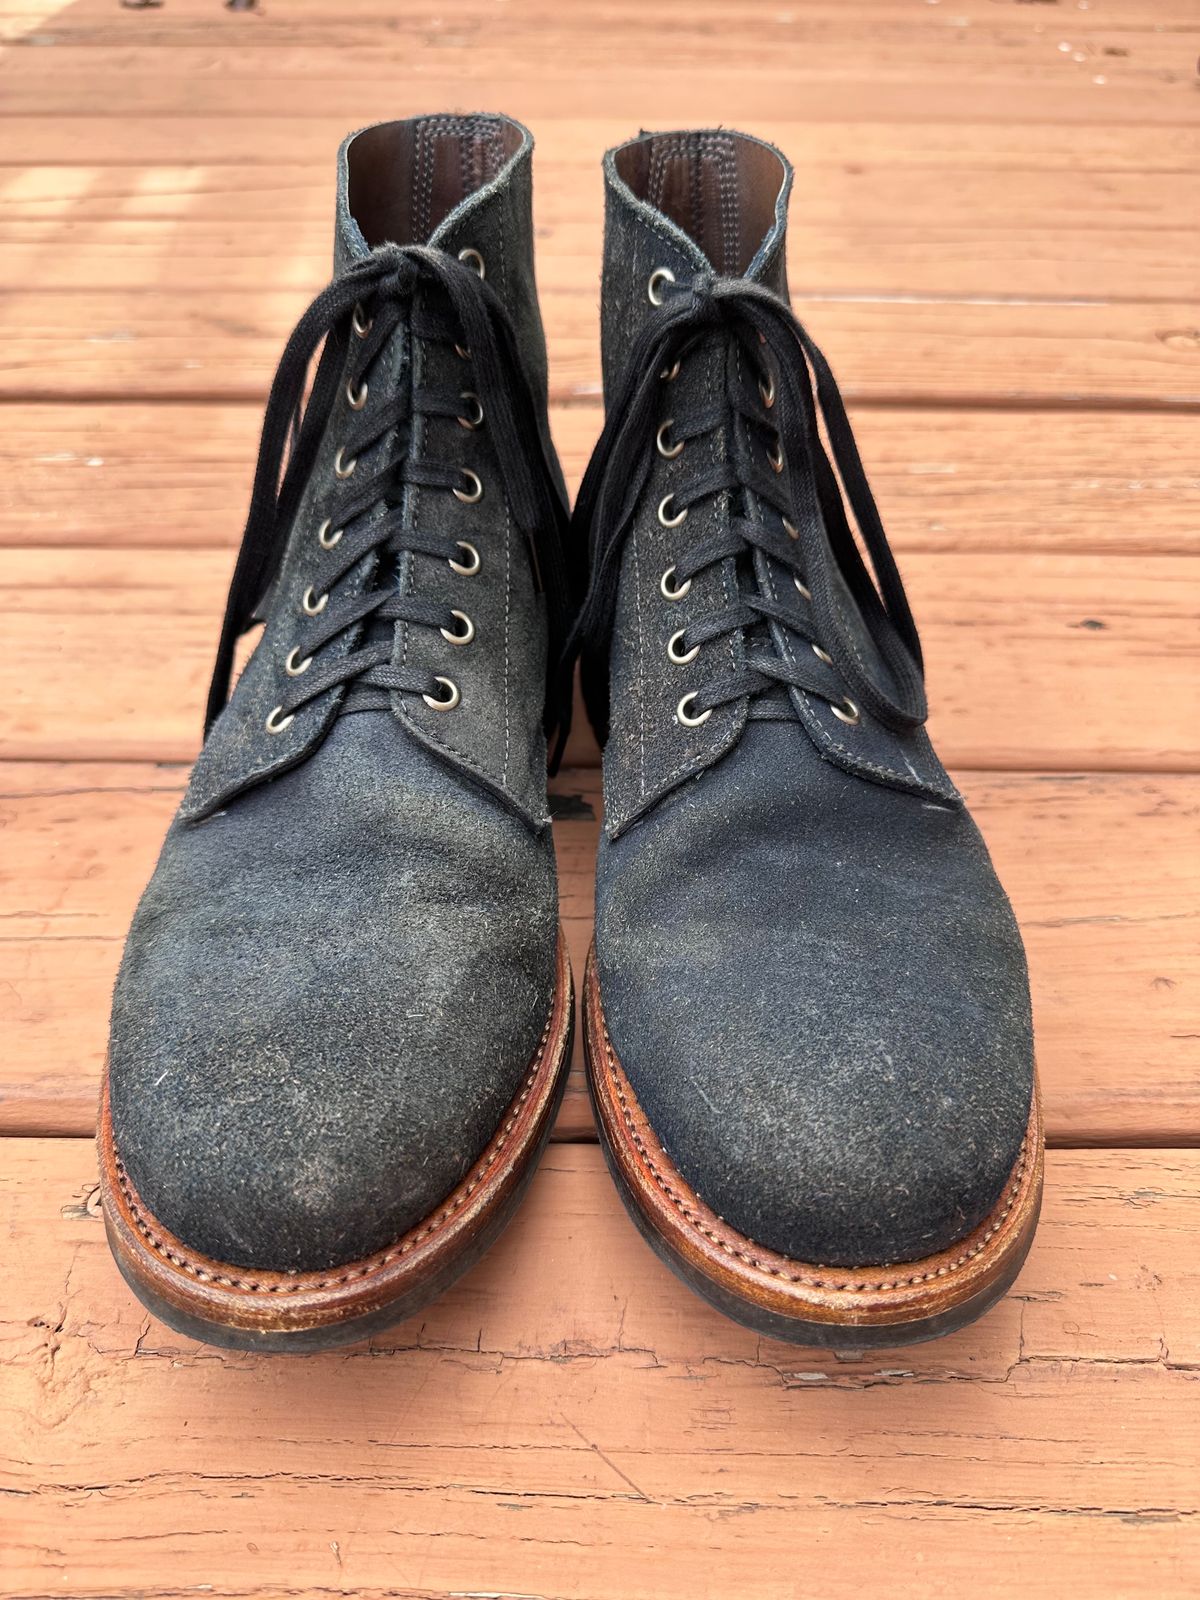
x,y
776,456
362,309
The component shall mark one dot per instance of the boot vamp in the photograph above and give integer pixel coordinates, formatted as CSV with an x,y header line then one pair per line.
x,y
818,991
331,992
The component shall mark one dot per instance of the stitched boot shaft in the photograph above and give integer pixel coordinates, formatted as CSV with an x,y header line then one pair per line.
x,y
339,974
808,970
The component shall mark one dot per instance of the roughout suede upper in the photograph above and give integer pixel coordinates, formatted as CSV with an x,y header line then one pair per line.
x,y
338,976
808,968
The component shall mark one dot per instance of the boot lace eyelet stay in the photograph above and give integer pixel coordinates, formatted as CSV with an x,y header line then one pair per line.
x,y
789,503
444,301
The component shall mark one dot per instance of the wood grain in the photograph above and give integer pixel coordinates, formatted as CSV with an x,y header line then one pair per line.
x,y
160,476
753,66
1102,870
994,237
1062,662
218,344
977,150
571,1422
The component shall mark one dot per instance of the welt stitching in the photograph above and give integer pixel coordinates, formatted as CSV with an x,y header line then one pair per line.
x,y
375,1263
689,1215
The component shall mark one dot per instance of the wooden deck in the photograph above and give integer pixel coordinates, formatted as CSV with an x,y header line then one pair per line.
x,y
996,238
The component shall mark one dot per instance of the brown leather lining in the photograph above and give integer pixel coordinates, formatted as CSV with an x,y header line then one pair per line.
x,y
217,1292
882,1295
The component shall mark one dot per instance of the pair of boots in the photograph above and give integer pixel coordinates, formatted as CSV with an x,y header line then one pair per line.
x,y
344,1015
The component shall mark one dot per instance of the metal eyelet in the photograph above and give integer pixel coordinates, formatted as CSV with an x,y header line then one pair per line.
x,y
467,633
802,586
659,277
452,696
671,373
847,712
327,536
294,668
667,588
313,606
790,528
341,467
472,258
766,390
471,566
361,322
822,655
461,351
471,495
664,517
356,399
775,456
683,716
681,658
276,722
474,417
667,451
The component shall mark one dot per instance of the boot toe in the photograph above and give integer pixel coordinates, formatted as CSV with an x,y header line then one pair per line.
x,y
831,1039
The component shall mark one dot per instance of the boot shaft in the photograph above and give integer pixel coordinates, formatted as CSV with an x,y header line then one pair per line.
x,y
726,582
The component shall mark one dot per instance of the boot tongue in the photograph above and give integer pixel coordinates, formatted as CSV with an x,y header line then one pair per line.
x,y
693,201
722,190
404,182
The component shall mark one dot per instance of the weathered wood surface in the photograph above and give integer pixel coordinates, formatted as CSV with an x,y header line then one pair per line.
x,y
995,229
571,1422
1102,870
219,343
148,475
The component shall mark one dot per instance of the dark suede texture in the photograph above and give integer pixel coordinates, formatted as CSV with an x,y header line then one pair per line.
x,y
807,966
338,977
818,992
